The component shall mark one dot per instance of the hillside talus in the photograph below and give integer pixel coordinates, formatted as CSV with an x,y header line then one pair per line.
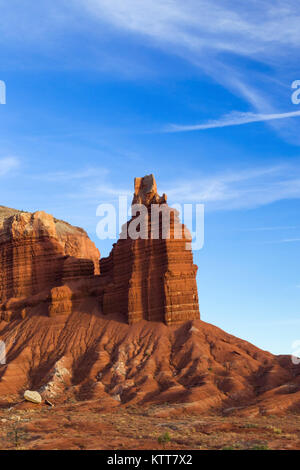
x,y
194,367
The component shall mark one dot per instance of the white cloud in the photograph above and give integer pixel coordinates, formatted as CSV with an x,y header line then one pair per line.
x,y
193,29
269,229
238,190
101,192
8,164
251,29
229,190
232,119
214,36
85,173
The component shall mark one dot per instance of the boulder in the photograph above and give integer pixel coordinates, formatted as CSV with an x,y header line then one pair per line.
x,y
34,397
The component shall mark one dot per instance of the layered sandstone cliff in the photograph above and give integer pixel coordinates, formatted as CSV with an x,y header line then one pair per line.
x,y
39,252
152,277
47,265
69,338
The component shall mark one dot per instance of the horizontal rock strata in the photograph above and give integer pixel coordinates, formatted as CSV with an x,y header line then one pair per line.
x,y
46,265
152,279
38,252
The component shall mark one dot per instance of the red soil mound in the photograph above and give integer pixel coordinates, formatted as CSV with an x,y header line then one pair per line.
x,y
195,367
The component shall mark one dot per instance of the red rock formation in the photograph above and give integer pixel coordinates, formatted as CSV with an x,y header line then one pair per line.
x,y
38,252
191,368
152,279
62,345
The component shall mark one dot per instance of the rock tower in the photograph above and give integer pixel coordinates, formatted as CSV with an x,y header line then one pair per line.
x,y
152,278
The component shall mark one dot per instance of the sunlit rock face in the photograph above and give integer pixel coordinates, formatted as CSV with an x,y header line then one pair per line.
x,y
154,278
64,329
48,266
38,252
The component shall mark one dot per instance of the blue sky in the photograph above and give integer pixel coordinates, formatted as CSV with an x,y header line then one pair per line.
x,y
196,92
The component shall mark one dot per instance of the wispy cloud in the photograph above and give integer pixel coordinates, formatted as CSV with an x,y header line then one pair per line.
x,y
232,119
229,190
85,173
244,189
256,29
91,184
225,40
249,29
212,35
8,164
98,193
269,229
285,322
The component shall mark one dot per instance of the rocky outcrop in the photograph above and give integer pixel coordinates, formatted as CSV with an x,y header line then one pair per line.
x,y
69,338
145,192
152,278
38,252
148,276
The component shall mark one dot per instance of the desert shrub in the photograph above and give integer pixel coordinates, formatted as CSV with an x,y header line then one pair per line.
x,y
16,436
274,429
260,447
164,438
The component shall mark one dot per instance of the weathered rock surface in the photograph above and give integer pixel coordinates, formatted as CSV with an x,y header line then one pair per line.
x,y
33,397
66,332
145,191
152,279
37,253
194,368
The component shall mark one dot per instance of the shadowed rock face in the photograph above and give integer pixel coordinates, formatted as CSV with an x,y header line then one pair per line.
x,y
152,279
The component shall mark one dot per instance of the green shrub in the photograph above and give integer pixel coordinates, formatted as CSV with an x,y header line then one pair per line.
x,y
164,438
260,447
